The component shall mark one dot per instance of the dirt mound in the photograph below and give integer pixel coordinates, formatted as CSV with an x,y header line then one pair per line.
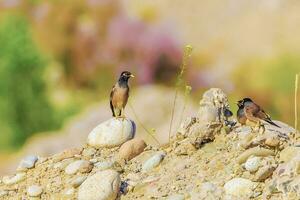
x,y
206,159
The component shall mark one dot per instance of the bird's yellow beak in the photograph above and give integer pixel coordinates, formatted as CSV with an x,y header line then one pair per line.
x,y
131,75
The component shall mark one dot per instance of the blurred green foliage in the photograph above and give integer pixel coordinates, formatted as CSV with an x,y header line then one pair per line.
x,y
23,102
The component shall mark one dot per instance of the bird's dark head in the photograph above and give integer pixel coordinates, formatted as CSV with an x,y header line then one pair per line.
x,y
242,102
125,75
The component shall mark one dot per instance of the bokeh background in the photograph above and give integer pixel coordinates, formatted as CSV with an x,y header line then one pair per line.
x,y
59,60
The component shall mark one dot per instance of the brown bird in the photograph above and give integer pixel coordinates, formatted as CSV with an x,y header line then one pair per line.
x,y
119,94
240,114
248,110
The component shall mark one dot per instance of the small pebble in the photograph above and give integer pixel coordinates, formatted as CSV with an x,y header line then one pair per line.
x,y
252,164
34,191
14,179
263,173
104,165
69,153
176,197
89,152
239,187
153,161
82,166
27,163
69,192
3,193
131,149
93,160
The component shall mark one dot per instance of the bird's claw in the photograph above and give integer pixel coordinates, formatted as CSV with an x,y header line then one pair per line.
x,y
121,117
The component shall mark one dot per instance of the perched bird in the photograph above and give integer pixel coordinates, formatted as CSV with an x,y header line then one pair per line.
x,y
119,94
250,111
240,114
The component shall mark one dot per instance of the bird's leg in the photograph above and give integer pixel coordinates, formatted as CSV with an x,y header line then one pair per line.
x,y
118,113
122,114
256,126
261,127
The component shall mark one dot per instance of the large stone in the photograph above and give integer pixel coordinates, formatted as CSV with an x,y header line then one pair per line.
x,y
103,185
131,149
213,104
197,132
239,187
111,133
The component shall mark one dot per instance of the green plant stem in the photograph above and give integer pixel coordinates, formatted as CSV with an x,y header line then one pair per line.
x,y
296,106
186,54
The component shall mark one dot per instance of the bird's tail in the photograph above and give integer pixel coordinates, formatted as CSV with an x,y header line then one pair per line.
x,y
272,123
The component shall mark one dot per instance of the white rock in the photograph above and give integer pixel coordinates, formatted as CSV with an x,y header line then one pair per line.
x,y
239,187
27,163
15,179
104,165
111,133
34,191
79,166
103,185
176,197
252,164
153,161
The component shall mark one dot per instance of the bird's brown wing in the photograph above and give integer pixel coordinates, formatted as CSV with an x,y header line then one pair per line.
x,y
261,114
264,116
110,101
254,113
251,111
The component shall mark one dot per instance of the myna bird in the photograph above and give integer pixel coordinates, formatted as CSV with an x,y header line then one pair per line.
x,y
240,114
119,95
248,110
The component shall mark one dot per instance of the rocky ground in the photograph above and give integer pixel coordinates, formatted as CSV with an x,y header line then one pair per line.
x,y
208,158
76,130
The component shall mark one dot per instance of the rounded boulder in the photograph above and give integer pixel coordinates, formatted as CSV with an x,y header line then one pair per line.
x,y
103,185
131,149
112,133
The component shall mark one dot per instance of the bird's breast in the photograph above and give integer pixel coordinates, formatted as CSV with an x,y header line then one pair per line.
x,y
120,97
